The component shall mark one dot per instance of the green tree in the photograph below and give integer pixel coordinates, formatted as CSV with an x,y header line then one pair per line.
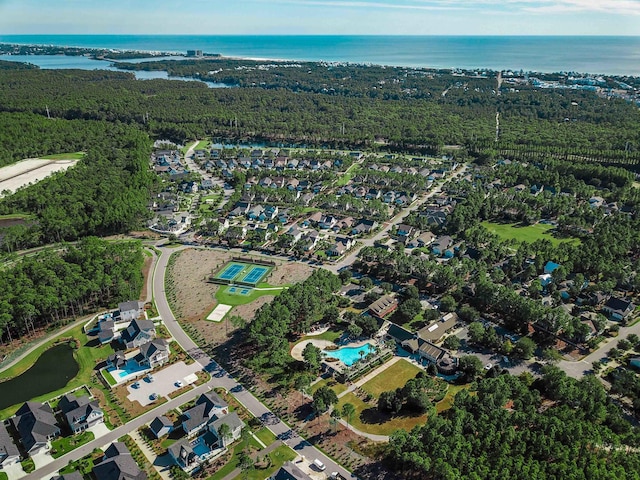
x,y
452,342
312,357
524,348
323,398
348,410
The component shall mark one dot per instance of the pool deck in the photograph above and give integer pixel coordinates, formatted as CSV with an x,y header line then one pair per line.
x,y
296,351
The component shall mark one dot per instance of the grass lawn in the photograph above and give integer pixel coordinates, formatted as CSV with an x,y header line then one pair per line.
x,y
278,457
266,436
330,335
331,383
393,377
65,156
447,401
63,445
529,234
348,175
226,298
86,356
203,145
28,465
369,419
4,476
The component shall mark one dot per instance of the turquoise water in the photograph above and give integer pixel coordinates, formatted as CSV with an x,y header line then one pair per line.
x,y
348,355
130,368
594,54
201,449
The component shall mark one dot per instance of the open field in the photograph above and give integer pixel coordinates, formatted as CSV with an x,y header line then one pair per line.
x,y
64,156
29,171
529,234
369,419
393,377
193,298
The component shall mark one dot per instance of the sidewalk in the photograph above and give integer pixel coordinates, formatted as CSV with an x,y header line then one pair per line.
x,y
149,454
361,381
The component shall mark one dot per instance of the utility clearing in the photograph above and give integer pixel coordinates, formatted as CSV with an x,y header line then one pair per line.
x,y
32,170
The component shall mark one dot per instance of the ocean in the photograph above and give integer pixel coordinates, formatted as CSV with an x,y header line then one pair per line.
x,y
586,54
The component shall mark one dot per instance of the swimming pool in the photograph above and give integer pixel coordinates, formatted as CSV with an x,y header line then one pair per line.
x,y
348,355
129,369
201,448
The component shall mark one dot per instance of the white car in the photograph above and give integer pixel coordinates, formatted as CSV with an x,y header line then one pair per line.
x,y
179,384
488,366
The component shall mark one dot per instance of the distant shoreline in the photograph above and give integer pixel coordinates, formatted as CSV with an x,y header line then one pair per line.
x,y
595,55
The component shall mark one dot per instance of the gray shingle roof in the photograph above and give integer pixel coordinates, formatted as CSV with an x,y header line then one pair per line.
x,y
289,471
232,420
7,447
35,422
118,464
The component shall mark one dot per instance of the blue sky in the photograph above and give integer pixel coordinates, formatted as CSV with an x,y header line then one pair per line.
x,y
393,17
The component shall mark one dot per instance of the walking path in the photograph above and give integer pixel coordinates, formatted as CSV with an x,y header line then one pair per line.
x,y
369,376
149,454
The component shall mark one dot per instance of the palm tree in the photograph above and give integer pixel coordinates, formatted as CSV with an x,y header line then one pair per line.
x,y
348,409
224,432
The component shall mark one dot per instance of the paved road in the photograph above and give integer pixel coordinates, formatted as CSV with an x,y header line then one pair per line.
x,y
48,470
245,397
388,225
581,367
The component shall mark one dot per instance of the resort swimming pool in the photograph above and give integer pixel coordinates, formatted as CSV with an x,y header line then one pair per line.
x,y
348,355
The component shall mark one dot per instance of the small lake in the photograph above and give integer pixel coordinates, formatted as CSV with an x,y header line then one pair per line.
x,y
52,371
80,62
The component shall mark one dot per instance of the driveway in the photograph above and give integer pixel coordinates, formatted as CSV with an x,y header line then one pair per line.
x,y
163,382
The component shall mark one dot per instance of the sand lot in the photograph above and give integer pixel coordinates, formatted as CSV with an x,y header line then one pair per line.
x,y
194,298
29,171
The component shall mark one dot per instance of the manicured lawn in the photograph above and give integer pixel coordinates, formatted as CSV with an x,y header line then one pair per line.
x,y
86,356
393,377
227,298
331,383
202,145
529,234
330,335
65,156
369,419
278,457
65,444
266,436
4,476
108,377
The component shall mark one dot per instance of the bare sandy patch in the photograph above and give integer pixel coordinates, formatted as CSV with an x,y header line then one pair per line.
x,y
23,173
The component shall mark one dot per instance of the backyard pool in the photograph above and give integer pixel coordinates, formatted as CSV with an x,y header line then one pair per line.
x,y
128,370
348,355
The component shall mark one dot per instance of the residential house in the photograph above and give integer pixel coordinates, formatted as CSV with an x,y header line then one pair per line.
x,y
341,245
80,412
441,245
383,306
295,232
138,333
327,222
309,240
618,308
234,423
240,209
106,330
206,184
635,362
550,267
289,471
255,212
116,360
36,426
130,310
161,426
118,464
208,406
591,298
364,226
75,475
404,231
9,453
425,239
154,353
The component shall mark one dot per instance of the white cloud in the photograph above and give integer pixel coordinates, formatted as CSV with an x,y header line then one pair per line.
x,y
624,7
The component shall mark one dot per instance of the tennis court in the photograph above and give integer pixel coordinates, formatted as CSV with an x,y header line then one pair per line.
x,y
255,274
231,271
239,290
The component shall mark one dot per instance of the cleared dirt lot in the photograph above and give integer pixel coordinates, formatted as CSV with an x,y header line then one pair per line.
x,y
194,298
29,171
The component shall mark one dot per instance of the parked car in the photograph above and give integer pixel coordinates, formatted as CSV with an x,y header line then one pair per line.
x,y
319,465
179,384
153,396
